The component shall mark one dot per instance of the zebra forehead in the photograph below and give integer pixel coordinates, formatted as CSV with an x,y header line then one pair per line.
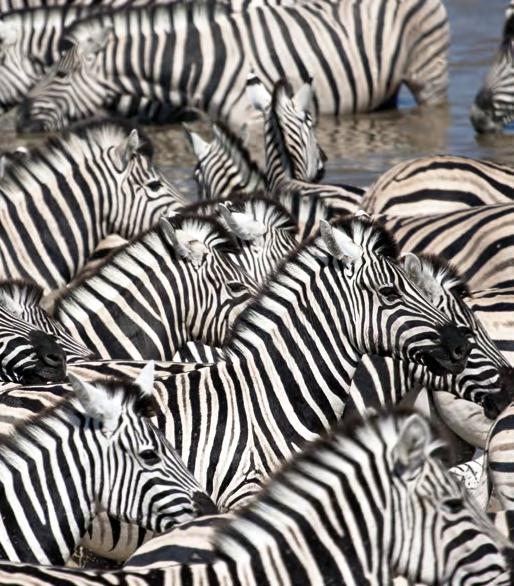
x,y
445,274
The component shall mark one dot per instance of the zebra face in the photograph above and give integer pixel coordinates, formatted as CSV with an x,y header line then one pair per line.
x,y
494,105
28,355
75,88
390,315
146,481
483,376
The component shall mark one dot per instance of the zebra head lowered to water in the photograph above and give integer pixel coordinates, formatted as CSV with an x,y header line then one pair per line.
x,y
358,507
494,103
96,450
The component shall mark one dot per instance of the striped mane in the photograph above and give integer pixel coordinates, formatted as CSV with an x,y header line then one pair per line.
x,y
445,274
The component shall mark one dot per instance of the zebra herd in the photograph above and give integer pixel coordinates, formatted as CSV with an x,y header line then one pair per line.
x,y
219,391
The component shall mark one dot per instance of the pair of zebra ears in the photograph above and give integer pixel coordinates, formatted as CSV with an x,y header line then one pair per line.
x,y
414,444
242,225
126,150
339,244
261,98
104,405
185,247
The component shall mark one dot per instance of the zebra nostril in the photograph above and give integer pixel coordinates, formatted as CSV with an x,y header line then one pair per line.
x,y
53,359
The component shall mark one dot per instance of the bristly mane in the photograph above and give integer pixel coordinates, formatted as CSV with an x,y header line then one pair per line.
x,y
447,275
264,209
22,293
370,236
205,229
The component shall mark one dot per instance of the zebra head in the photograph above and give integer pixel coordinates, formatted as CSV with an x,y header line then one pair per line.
x,y
76,87
389,314
436,513
292,151
224,165
484,379
224,289
145,481
18,70
494,105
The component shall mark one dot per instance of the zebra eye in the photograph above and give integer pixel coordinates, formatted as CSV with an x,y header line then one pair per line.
x,y
61,74
149,457
453,505
237,288
389,292
154,185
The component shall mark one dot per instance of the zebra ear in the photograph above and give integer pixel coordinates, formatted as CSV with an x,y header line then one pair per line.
x,y
185,247
421,278
96,41
339,244
242,225
259,96
145,379
127,149
96,403
411,448
303,97
199,145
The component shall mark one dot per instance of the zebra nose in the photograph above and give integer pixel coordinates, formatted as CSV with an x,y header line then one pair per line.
x,y
203,505
455,342
30,126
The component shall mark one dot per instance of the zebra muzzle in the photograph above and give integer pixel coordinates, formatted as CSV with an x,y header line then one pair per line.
x,y
451,354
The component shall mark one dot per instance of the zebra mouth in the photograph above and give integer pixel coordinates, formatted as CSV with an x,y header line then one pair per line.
x,y
438,362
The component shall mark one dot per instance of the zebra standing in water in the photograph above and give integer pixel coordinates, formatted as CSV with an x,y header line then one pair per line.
x,y
493,107
66,196
305,528
364,72
95,448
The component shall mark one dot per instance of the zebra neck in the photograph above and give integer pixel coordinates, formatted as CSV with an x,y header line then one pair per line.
x,y
48,478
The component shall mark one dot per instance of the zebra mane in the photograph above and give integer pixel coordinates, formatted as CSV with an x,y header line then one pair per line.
x,y
133,396
372,237
445,273
17,295
378,433
205,229
262,207
56,150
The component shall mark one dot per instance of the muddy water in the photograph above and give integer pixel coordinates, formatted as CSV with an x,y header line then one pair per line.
x,y
360,148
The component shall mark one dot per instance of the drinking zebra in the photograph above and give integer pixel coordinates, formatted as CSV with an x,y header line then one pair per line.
x,y
68,195
358,507
85,455
197,39
493,105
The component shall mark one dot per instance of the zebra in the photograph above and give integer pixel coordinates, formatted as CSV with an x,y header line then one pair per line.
x,y
69,194
477,240
44,515
439,184
85,79
305,528
176,283
492,108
